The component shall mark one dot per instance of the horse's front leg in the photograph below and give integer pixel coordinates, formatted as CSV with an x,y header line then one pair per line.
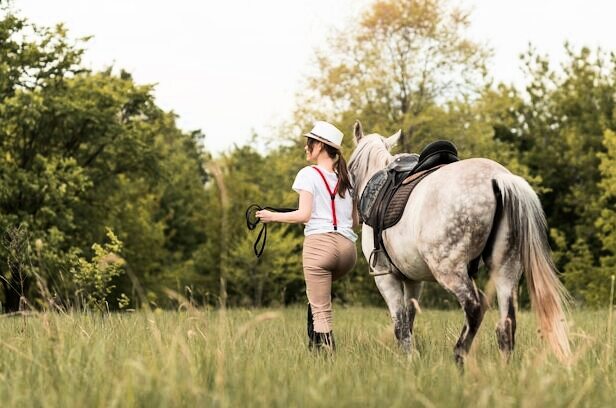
x,y
391,288
412,291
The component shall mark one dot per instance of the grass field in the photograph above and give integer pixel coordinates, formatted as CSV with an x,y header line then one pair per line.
x,y
259,358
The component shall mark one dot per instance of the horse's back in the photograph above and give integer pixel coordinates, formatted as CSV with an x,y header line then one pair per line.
x,y
465,177
448,217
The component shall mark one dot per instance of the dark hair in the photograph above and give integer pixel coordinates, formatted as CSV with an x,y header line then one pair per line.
x,y
340,166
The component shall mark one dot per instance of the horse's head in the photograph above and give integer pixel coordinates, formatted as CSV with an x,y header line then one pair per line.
x,y
371,154
358,134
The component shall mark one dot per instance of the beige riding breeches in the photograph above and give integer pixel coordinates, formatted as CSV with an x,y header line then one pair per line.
x,y
326,258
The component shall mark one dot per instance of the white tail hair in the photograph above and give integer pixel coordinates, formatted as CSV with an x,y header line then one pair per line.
x,y
549,298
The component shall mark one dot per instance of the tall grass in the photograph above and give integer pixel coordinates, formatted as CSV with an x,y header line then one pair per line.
x,y
259,358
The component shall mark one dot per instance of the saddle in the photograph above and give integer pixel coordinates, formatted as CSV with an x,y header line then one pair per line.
x,y
385,196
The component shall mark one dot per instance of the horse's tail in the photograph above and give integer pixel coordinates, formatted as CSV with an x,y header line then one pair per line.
x,y
528,227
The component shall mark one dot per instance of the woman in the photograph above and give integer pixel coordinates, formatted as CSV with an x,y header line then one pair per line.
x,y
326,208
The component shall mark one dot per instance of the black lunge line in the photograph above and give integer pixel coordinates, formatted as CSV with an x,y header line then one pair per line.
x,y
252,221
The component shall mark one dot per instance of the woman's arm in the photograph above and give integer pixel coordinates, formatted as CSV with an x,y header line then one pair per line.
x,y
299,216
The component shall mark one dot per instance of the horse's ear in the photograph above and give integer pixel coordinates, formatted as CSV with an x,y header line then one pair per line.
x,y
358,132
393,139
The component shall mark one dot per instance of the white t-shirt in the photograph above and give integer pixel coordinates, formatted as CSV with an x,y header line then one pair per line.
x,y
321,219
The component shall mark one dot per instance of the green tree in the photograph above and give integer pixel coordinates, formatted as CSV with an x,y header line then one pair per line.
x,y
606,223
83,151
36,187
565,121
401,58
93,278
251,177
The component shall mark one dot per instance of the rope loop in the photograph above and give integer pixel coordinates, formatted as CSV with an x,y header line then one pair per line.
x,y
252,221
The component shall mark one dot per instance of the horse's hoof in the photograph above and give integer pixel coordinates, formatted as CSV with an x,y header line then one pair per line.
x,y
406,347
459,358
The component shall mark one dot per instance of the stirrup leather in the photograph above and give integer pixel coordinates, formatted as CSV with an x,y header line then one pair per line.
x,y
373,260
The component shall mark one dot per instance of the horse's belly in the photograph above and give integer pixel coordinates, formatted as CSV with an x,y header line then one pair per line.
x,y
405,255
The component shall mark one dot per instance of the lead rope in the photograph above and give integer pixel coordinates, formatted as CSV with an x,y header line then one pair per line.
x,y
252,221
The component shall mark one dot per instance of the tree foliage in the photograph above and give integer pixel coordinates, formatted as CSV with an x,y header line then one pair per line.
x,y
93,278
84,152
396,63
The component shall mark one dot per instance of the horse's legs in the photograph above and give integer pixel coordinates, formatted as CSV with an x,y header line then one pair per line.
x,y
412,291
505,272
503,262
505,330
473,302
391,289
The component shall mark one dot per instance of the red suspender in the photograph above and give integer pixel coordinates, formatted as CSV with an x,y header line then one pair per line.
x,y
332,195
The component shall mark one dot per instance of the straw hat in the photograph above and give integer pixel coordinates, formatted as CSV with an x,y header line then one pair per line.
x,y
326,133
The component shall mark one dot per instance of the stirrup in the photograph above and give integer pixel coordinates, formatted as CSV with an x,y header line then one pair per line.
x,y
372,264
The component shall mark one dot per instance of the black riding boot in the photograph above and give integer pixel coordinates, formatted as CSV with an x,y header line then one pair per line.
x,y
326,341
314,341
318,341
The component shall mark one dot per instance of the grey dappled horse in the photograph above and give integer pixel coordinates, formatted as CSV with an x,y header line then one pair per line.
x,y
445,226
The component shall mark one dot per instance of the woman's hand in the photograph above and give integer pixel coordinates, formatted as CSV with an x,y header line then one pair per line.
x,y
301,215
266,216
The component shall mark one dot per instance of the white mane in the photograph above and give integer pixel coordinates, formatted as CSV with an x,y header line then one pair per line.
x,y
370,155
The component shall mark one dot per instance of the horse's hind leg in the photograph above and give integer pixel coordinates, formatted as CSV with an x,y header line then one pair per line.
x,y
392,291
505,275
505,271
473,302
505,330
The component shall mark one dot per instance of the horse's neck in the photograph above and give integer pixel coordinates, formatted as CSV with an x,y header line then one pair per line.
x,y
373,168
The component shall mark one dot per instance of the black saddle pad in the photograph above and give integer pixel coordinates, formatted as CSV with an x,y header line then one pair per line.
x,y
397,202
371,193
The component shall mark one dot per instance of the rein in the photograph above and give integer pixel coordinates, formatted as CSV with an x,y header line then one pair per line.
x,y
252,221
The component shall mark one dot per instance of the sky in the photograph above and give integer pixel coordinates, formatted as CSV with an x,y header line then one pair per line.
x,y
233,67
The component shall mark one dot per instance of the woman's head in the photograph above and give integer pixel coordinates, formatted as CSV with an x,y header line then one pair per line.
x,y
326,139
313,148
